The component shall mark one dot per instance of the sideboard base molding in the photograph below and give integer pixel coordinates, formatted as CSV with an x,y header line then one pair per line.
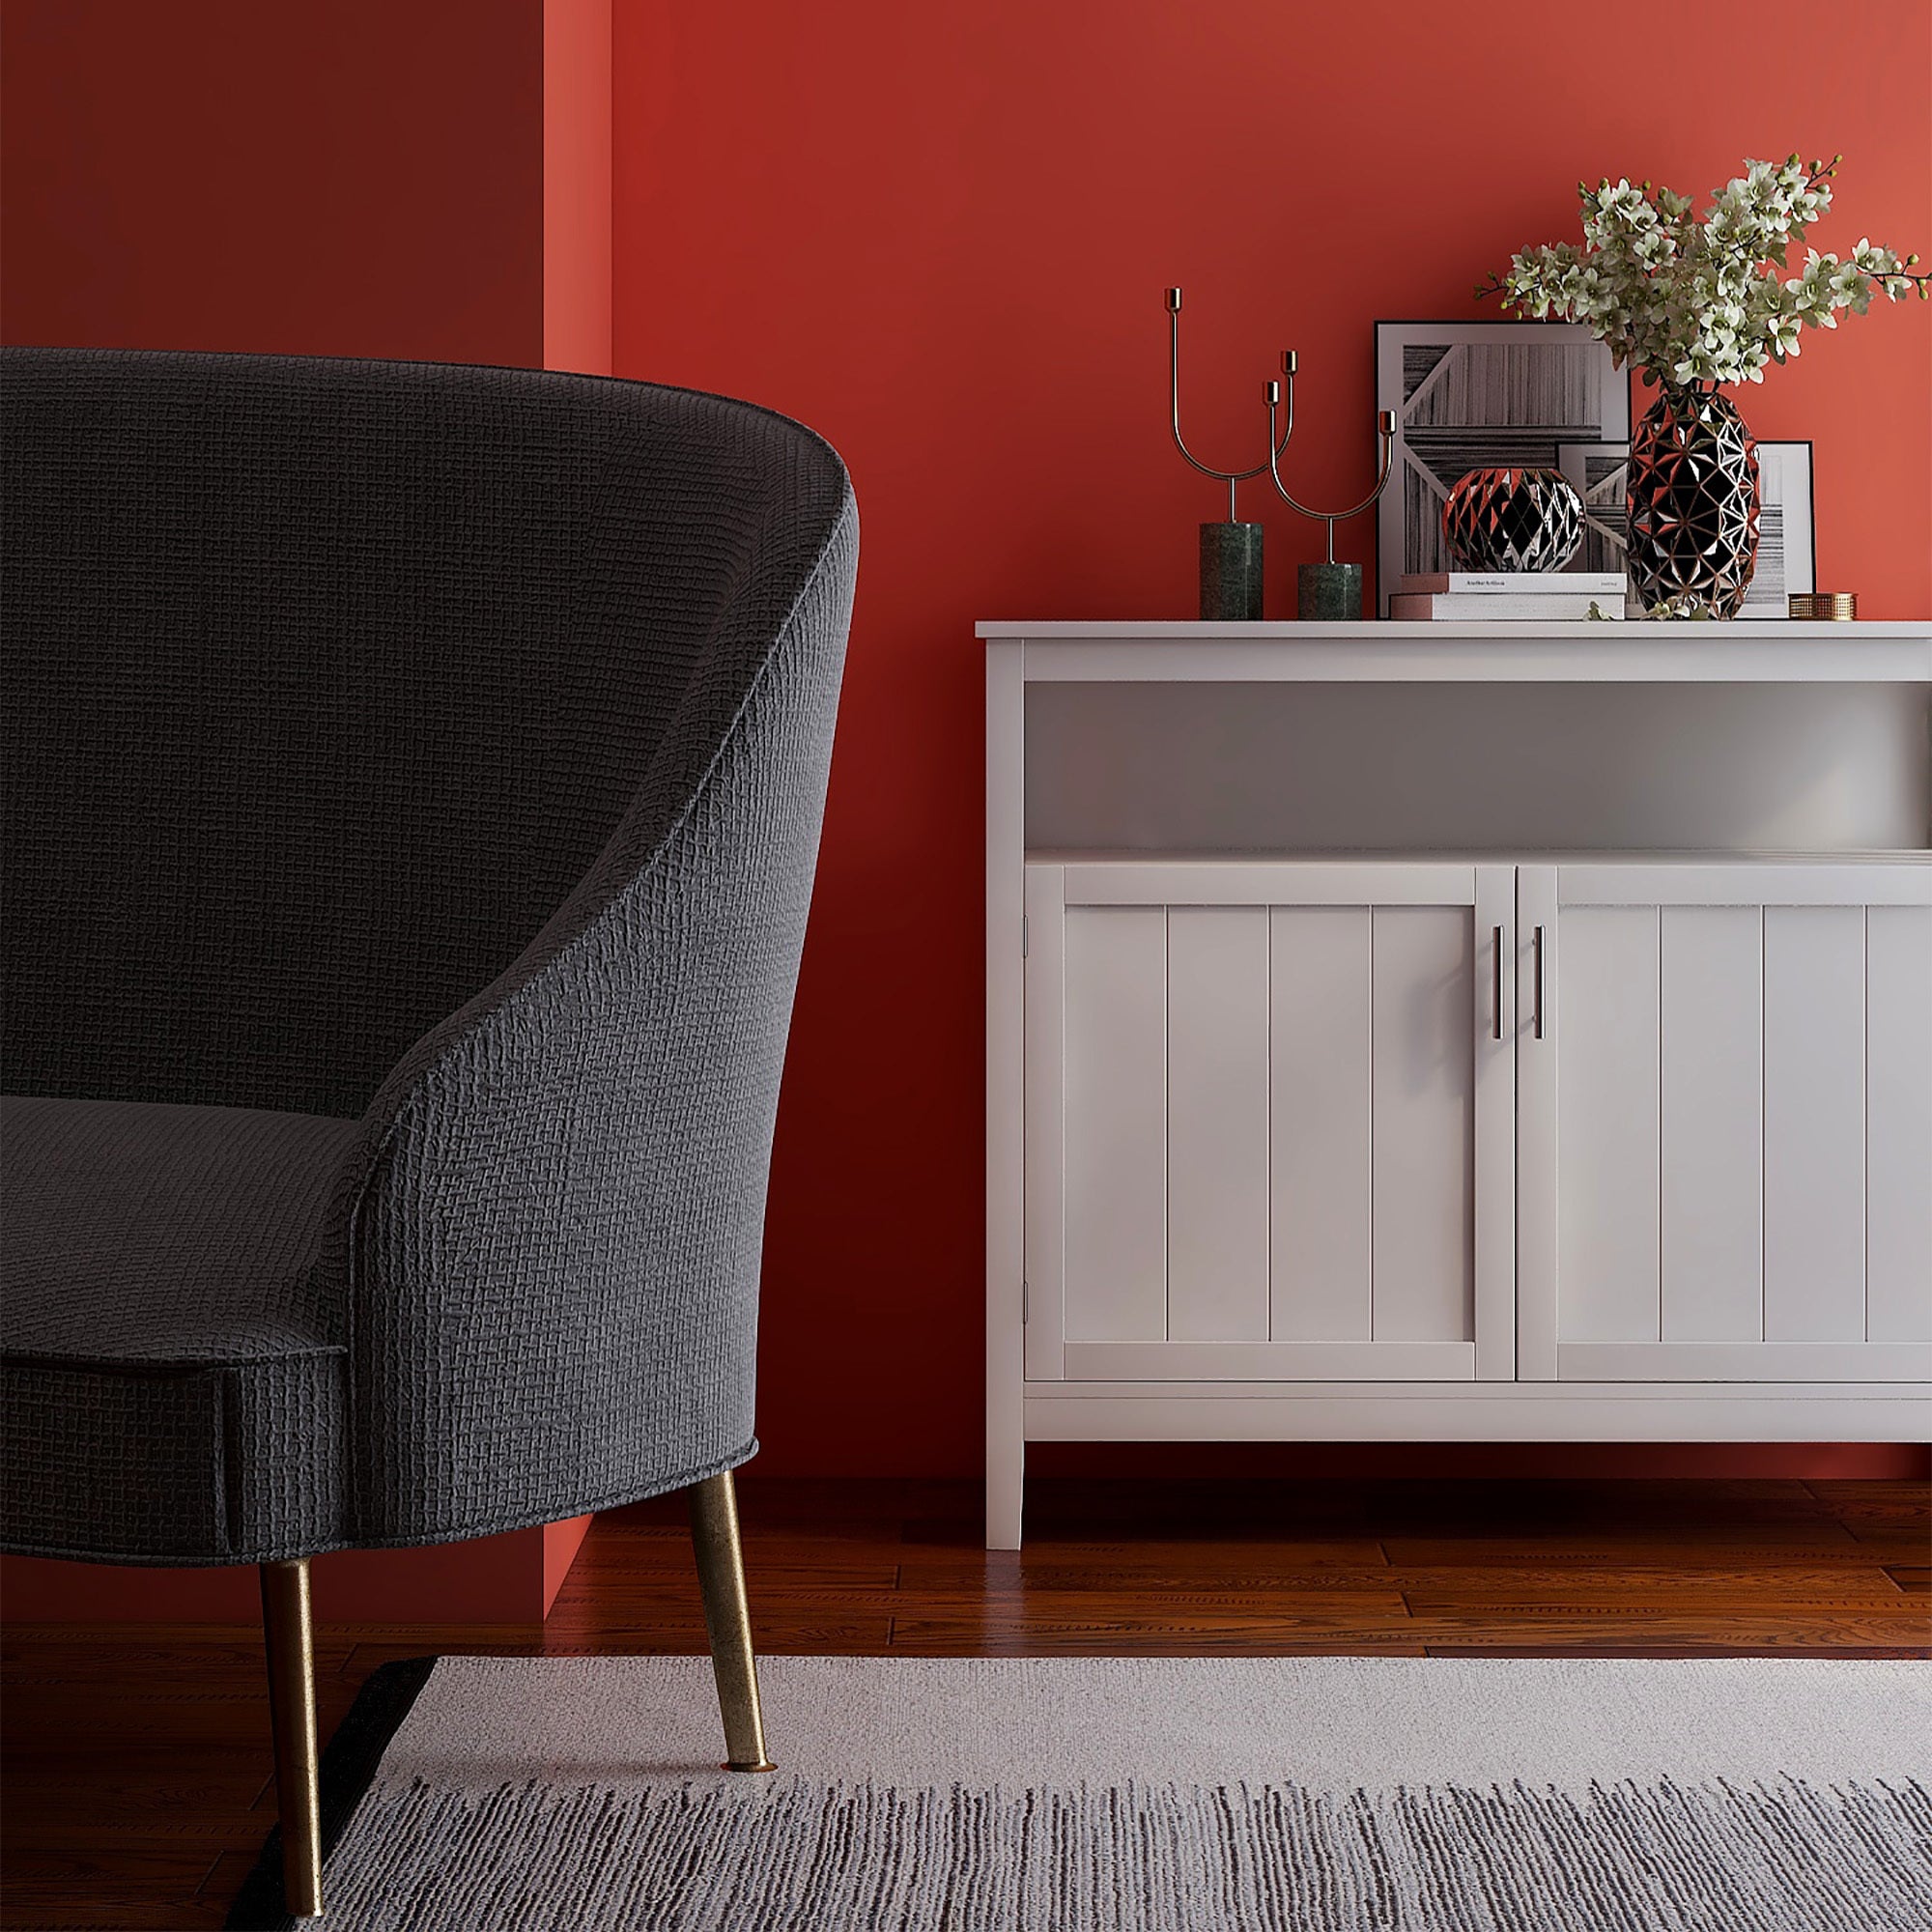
x,y
1473,1412
1443,1413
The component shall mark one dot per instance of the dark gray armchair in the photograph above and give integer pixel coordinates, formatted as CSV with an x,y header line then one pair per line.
x,y
414,788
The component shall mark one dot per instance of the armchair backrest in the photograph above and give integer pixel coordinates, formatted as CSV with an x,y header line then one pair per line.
x,y
330,681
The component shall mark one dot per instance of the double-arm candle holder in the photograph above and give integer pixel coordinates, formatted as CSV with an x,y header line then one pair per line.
x,y
1326,592
1231,552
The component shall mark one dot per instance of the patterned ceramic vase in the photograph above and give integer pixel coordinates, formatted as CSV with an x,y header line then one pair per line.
x,y
1513,519
1693,504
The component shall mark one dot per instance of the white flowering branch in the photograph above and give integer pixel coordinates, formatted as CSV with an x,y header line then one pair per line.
x,y
1694,304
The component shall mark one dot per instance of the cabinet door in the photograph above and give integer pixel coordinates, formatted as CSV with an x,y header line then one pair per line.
x,y
1270,1121
1724,1144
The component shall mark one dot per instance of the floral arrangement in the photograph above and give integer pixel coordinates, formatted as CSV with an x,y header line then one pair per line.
x,y
1702,302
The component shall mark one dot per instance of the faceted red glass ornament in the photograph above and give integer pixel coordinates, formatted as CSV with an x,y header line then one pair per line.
x,y
1513,519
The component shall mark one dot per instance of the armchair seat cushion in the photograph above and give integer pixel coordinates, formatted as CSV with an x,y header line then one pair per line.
x,y
172,1337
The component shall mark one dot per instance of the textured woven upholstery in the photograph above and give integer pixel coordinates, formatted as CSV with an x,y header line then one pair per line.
x,y
412,792
166,1290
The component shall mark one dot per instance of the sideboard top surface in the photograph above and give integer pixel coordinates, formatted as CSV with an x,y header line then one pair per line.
x,y
1437,653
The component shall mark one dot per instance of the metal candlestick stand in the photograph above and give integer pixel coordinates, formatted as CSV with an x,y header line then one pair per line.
x,y
1231,552
1330,591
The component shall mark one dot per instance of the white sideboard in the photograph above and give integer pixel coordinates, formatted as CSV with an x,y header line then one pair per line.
x,y
1433,1032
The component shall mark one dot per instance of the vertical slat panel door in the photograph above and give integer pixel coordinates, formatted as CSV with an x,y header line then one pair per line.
x,y
1725,1125
1256,1094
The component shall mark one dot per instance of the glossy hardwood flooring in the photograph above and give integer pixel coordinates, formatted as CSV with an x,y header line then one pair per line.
x,y
137,1759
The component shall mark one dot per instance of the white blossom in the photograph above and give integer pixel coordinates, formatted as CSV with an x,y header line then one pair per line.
x,y
1703,301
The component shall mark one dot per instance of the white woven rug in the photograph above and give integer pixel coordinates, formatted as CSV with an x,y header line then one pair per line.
x,y
1150,1795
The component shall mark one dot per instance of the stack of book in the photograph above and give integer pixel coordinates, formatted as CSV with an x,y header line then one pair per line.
x,y
1492,596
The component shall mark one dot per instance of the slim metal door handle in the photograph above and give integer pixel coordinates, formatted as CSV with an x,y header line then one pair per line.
x,y
1536,950
1497,991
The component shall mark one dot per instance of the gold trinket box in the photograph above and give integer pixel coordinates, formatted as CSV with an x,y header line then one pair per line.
x,y
1837,607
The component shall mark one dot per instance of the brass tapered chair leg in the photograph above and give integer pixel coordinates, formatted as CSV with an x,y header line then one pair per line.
x,y
727,1617
289,1638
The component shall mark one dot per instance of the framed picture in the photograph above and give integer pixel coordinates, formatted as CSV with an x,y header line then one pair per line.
x,y
1600,474
1786,548
1786,552
1470,395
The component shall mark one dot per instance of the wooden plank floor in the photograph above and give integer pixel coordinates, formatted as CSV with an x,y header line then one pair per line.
x,y
137,1758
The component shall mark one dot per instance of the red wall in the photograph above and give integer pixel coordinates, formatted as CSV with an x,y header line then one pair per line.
x,y
938,234
577,185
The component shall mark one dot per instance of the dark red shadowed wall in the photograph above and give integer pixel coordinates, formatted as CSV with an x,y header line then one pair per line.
x,y
938,234
311,177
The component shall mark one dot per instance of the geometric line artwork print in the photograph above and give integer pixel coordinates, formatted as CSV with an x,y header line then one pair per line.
x,y
1786,561
1600,474
1481,395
